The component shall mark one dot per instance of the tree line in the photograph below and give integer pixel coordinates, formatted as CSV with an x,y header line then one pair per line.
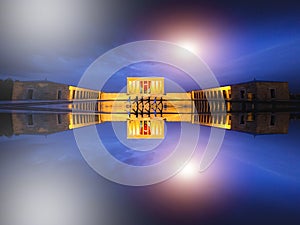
x,y
6,87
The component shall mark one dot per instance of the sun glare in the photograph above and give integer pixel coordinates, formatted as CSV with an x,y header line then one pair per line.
x,y
189,171
190,46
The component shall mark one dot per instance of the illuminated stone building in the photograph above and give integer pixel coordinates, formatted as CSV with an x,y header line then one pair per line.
x,y
47,90
260,96
39,90
253,90
260,91
239,107
145,107
248,96
145,86
212,99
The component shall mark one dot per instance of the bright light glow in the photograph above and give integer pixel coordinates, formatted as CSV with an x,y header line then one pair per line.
x,y
56,23
189,171
190,46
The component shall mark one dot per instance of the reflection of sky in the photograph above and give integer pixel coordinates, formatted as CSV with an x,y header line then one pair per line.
x,y
136,157
277,154
257,175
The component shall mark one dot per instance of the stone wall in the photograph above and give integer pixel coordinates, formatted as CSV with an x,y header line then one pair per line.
x,y
260,91
39,90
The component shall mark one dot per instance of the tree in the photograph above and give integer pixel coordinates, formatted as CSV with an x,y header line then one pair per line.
x,y
6,87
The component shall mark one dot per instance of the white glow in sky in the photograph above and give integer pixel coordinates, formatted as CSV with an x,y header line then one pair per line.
x,y
49,24
189,171
190,46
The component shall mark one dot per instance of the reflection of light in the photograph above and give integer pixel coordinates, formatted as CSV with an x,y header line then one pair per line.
x,y
189,187
190,46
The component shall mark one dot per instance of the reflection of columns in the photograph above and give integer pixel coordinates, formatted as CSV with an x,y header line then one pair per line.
x,y
99,106
145,129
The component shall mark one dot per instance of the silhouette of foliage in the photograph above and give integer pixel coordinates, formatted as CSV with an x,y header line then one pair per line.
x,y
6,128
6,87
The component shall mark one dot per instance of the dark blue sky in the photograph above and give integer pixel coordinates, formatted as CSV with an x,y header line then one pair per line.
x,y
239,40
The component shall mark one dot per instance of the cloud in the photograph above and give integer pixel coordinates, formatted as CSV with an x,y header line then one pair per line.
x,y
279,62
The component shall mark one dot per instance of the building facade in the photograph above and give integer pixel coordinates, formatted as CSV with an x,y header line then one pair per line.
x,y
145,107
145,86
212,99
260,91
77,93
46,90
248,96
39,90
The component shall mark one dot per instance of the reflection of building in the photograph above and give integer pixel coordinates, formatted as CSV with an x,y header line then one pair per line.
x,y
45,123
259,123
86,106
77,120
6,128
219,120
145,128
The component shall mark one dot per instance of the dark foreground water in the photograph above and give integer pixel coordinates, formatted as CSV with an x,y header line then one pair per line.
x,y
44,180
